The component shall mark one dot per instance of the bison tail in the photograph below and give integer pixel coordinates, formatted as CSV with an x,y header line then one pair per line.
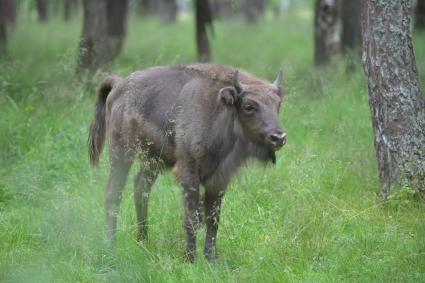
x,y
97,128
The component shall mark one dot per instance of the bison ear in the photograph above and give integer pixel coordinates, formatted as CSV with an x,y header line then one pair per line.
x,y
228,95
278,83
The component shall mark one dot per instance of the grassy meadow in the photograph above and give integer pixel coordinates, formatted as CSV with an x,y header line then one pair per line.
x,y
314,217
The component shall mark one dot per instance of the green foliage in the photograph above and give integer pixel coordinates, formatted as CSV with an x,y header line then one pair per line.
x,y
312,217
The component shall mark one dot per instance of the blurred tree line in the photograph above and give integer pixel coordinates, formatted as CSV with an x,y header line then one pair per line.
x,y
337,27
381,29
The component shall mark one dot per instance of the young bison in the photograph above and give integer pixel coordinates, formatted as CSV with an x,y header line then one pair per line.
x,y
204,120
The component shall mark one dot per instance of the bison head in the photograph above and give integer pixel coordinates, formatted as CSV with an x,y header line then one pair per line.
x,y
257,106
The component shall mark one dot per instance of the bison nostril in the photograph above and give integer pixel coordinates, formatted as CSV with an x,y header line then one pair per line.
x,y
274,138
277,139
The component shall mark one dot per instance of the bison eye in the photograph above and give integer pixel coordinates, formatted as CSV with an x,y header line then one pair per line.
x,y
248,108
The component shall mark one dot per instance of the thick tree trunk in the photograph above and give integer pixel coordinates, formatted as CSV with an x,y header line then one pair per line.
x,y
70,7
203,20
3,28
420,15
95,50
326,37
351,39
396,103
116,18
42,10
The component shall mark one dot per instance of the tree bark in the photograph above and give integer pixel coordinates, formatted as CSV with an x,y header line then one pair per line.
x,y
95,50
396,103
116,18
3,28
351,39
326,37
42,10
420,15
203,20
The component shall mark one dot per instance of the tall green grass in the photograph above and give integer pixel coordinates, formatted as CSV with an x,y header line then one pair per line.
x,y
313,217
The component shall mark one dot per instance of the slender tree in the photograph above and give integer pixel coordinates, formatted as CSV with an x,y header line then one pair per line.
x,y
252,9
95,50
116,19
420,15
3,28
165,9
69,8
204,19
326,37
222,9
147,7
169,10
10,12
396,103
351,39
42,10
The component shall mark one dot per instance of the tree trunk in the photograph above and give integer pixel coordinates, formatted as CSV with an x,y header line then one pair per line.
x,y
165,9
396,103
10,11
42,10
3,28
351,39
326,37
420,15
147,7
70,7
203,20
251,9
222,9
95,50
116,18
169,8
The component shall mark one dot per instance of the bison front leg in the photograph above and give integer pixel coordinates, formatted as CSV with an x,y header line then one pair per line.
x,y
190,183
212,216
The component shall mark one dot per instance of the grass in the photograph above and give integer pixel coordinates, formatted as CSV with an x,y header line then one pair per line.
x,y
313,217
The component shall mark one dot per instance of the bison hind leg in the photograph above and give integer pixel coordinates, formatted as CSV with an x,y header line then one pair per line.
x,y
143,183
120,167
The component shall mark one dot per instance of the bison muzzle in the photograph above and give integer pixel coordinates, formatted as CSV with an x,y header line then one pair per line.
x,y
204,120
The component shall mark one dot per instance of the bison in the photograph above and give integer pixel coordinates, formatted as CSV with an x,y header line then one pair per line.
x,y
205,120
